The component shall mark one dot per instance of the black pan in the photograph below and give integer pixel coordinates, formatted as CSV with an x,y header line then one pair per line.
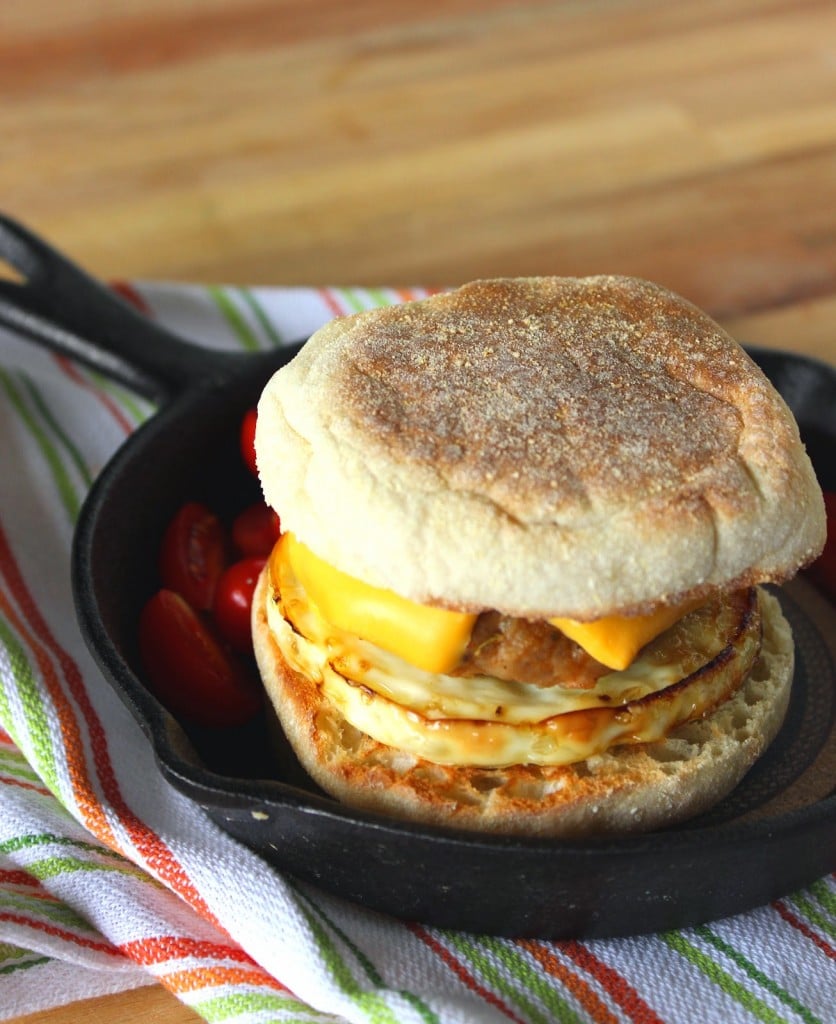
x,y
777,832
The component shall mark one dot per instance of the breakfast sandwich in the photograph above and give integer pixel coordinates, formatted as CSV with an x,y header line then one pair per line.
x,y
526,526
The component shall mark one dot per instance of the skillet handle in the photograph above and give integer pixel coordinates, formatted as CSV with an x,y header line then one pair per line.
x,y
60,306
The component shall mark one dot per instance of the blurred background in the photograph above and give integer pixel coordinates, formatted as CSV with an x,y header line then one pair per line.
x,y
325,142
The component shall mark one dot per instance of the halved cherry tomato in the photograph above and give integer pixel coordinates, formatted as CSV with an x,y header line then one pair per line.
x,y
234,601
247,440
193,555
256,530
189,670
823,570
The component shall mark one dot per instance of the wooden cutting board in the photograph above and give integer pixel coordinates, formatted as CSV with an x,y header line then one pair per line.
x,y
370,142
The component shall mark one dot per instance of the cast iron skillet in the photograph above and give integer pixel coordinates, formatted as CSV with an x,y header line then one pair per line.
x,y
741,855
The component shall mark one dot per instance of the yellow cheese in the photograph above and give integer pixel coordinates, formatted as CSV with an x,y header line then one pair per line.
x,y
615,640
434,639
431,638
689,644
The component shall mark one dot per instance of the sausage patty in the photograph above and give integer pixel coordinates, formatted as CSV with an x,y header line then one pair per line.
x,y
528,652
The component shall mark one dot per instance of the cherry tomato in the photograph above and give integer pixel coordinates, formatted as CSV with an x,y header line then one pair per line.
x,y
193,555
823,570
256,530
189,670
234,601
247,440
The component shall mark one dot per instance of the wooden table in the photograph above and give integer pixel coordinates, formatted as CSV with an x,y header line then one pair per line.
x,y
378,142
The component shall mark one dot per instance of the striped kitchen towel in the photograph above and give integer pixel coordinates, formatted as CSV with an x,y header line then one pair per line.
x,y
109,879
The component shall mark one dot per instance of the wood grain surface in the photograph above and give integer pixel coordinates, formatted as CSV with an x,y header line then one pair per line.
x,y
324,142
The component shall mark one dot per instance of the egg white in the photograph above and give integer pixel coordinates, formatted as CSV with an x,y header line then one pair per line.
x,y
482,720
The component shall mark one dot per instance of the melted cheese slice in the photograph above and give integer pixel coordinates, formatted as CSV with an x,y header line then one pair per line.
x,y
615,640
434,639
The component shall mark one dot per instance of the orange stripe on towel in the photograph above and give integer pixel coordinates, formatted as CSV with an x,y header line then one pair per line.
x,y
61,933
205,977
178,947
620,990
573,983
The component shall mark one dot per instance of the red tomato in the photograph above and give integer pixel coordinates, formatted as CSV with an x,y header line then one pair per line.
x,y
189,670
247,440
193,555
823,570
234,600
256,530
